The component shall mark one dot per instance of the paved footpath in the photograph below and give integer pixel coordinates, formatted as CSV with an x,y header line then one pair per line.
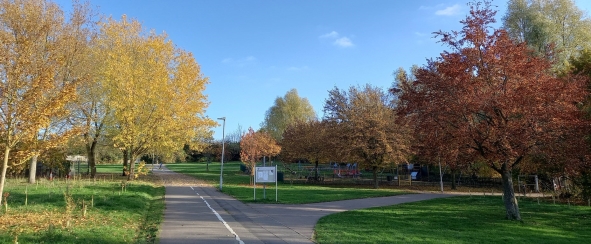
x,y
198,213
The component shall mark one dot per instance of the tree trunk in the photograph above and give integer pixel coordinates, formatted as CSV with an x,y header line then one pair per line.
x,y
131,165
398,173
3,176
316,171
91,154
509,194
375,178
125,161
453,180
33,169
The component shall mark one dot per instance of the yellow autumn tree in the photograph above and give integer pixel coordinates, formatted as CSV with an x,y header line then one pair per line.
x,y
34,57
183,122
91,113
76,37
154,90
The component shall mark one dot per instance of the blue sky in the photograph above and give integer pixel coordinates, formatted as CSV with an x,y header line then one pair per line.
x,y
254,51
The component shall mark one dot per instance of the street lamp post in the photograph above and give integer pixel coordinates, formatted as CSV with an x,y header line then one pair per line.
x,y
223,147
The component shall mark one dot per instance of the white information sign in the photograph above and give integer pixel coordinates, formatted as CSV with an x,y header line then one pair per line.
x,y
265,174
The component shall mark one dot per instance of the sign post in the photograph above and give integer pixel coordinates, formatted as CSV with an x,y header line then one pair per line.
x,y
265,175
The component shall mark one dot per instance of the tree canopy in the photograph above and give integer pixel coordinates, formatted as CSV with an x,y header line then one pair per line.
x,y
64,77
287,110
549,26
368,127
313,141
154,89
38,44
254,146
499,103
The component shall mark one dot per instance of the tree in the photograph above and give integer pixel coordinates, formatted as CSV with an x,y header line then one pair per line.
x,y
89,111
235,136
311,141
488,93
76,35
233,144
54,135
124,70
369,128
544,23
287,110
255,145
35,51
435,146
581,65
154,89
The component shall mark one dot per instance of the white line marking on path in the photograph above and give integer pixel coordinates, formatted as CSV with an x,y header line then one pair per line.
x,y
219,217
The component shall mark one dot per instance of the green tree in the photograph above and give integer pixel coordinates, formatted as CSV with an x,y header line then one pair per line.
x,y
543,23
287,110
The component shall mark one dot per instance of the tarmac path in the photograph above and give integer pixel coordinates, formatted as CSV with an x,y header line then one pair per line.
x,y
198,213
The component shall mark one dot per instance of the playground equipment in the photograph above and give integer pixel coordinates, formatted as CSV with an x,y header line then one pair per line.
x,y
346,172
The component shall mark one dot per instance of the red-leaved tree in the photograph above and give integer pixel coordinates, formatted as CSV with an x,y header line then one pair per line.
x,y
255,145
496,99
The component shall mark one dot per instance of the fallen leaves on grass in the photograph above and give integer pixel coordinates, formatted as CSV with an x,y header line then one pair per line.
x,y
37,221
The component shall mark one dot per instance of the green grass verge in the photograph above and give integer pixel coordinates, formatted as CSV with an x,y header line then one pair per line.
x,y
457,220
48,214
117,168
236,184
106,168
109,168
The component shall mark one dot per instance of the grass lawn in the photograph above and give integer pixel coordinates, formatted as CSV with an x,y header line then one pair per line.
x,y
54,211
109,168
473,219
117,169
237,185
